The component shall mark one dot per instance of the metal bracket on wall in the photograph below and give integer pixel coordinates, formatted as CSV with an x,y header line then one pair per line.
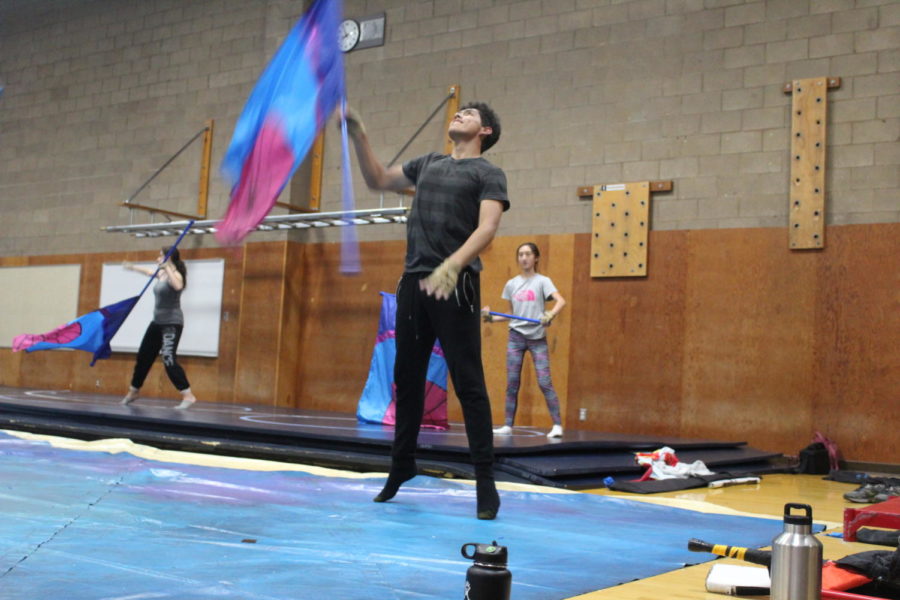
x,y
203,190
452,102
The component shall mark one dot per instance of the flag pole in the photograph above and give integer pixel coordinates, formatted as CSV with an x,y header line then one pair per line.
x,y
168,254
500,314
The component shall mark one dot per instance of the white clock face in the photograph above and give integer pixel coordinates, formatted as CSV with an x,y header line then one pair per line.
x,y
348,35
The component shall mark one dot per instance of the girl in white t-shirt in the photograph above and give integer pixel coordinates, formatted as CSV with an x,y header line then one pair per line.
x,y
527,294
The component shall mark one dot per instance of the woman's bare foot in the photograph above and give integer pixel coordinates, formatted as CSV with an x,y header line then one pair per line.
x,y
130,397
187,399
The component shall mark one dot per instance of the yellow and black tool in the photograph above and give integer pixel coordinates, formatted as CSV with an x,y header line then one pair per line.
x,y
759,557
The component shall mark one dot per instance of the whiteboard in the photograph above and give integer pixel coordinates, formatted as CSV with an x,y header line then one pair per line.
x,y
37,299
201,303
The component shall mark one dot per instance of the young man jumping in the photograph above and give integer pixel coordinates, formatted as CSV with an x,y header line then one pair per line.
x,y
456,210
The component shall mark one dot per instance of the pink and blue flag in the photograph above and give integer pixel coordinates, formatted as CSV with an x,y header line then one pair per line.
x,y
295,95
379,398
91,332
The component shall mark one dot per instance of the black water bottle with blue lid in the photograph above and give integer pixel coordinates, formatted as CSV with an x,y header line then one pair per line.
x,y
488,578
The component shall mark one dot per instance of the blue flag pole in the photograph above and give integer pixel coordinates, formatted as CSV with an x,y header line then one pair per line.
x,y
168,254
500,314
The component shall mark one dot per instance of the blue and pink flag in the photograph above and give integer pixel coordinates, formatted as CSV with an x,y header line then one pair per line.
x,y
91,332
379,398
297,92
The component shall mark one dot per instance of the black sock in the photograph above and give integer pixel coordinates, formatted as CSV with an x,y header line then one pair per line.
x,y
486,492
401,472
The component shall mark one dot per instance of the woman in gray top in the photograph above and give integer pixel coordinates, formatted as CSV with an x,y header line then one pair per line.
x,y
164,332
527,294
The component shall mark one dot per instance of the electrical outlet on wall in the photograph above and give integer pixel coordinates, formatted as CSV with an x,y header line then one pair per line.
x,y
582,414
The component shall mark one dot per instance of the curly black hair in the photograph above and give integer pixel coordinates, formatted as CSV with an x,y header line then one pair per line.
x,y
488,119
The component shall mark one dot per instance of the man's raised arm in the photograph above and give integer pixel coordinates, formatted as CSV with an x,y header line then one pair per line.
x,y
377,176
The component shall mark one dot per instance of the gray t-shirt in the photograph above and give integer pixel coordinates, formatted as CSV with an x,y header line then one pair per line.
x,y
446,206
167,310
527,296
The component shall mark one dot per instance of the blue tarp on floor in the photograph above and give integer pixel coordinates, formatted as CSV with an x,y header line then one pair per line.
x,y
91,525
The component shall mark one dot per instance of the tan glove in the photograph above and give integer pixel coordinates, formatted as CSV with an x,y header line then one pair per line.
x,y
355,126
486,315
547,318
442,280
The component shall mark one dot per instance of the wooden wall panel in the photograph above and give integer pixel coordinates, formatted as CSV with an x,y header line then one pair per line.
x,y
337,316
225,366
291,321
857,345
757,343
260,329
627,342
730,336
10,367
749,326
48,370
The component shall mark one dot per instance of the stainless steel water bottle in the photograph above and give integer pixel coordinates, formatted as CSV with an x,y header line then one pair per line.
x,y
796,558
488,578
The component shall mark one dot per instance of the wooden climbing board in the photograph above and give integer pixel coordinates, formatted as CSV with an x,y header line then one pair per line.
x,y
807,200
619,236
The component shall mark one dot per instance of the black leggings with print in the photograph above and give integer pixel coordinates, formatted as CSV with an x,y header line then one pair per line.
x,y
160,340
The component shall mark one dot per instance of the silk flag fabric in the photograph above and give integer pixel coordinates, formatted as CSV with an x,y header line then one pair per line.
x,y
350,263
91,332
299,89
379,398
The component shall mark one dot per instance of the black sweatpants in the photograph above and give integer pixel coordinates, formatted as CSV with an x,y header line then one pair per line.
x,y
160,340
456,322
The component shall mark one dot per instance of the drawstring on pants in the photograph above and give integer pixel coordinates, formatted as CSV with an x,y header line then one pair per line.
x,y
466,301
466,284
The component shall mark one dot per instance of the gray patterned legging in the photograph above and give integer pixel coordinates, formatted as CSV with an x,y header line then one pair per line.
x,y
515,354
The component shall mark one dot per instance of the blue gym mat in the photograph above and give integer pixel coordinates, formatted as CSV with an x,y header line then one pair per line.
x,y
91,525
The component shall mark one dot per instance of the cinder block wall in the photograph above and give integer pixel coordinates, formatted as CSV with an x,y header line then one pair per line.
x,y
99,93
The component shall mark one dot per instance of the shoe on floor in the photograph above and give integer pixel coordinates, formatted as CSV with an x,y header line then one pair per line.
x,y
887,494
867,493
555,432
505,430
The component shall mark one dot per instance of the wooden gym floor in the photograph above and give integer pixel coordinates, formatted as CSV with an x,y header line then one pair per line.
x,y
767,498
